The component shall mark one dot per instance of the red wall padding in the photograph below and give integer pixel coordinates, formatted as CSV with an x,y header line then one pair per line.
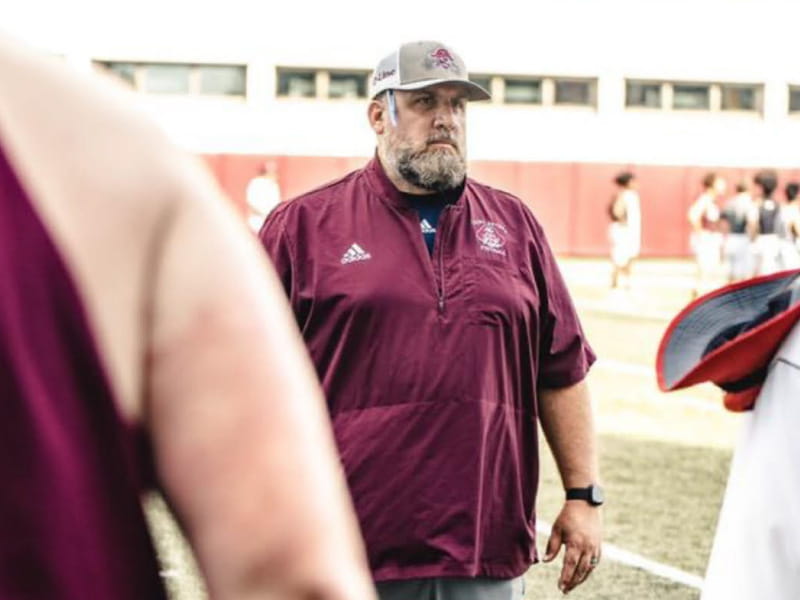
x,y
570,199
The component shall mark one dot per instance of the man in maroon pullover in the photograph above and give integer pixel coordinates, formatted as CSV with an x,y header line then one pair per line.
x,y
441,330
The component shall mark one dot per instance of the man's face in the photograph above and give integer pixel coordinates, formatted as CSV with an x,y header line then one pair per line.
x,y
427,146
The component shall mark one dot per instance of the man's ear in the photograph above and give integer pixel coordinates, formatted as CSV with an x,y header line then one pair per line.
x,y
376,113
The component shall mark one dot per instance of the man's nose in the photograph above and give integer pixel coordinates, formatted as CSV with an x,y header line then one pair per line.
x,y
445,116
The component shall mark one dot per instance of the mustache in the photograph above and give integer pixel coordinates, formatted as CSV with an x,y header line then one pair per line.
x,y
442,138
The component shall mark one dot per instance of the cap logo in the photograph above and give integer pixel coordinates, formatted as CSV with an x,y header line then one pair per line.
x,y
442,58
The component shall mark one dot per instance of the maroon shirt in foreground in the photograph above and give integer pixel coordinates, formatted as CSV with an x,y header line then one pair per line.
x,y
72,526
431,365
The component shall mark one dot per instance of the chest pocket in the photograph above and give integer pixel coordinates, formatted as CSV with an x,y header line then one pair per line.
x,y
498,292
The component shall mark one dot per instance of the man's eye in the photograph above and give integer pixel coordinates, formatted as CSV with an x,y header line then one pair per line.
x,y
424,100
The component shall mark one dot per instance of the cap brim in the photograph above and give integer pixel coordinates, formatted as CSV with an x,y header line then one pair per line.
x,y
682,359
474,91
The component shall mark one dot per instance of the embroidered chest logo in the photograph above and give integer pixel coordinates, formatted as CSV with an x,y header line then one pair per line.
x,y
355,253
442,58
491,236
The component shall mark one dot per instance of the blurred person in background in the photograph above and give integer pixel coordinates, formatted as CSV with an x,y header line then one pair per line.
x,y
790,227
263,195
764,223
705,237
737,243
442,330
144,340
625,230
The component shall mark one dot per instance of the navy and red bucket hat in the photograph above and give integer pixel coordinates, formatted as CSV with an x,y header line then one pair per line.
x,y
729,336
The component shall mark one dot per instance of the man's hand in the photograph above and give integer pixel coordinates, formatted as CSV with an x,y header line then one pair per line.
x,y
579,528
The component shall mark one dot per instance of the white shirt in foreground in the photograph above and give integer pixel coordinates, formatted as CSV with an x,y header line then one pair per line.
x,y
756,552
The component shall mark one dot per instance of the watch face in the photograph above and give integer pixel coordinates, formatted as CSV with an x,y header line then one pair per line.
x,y
596,494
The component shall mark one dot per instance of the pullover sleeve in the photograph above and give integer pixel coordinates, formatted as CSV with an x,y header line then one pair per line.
x,y
565,355
275,239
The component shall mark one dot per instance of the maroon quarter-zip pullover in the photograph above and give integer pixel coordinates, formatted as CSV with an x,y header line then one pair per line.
x,y
431,364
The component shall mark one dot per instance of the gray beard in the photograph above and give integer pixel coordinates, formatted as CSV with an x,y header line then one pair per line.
x,y
434,171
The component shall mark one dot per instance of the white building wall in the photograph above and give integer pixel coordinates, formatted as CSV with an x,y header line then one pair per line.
x,y
748,41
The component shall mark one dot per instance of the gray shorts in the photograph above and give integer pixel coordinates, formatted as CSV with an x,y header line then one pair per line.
x,y
452,588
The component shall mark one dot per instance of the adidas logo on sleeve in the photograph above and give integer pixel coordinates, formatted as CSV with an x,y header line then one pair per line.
x,y
355,253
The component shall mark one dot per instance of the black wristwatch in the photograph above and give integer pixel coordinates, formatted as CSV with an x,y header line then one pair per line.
x,y
593,494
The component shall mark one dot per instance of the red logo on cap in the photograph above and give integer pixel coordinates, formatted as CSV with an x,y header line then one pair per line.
x,y
442,58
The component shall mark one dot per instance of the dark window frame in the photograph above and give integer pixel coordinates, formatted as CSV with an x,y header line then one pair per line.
x,y
755,88
658,85
696,86
539,84
199,68
287,71
793,89
591,91
138,81
362,75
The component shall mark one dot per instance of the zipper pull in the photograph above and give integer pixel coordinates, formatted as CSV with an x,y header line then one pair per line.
x,y
441,304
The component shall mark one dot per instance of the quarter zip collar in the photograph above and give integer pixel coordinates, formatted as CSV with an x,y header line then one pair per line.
x,y
386,190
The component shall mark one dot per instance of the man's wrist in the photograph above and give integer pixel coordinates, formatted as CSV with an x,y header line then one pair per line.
x,y
593,494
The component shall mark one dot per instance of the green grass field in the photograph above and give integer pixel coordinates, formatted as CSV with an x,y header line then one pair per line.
x,y
664,458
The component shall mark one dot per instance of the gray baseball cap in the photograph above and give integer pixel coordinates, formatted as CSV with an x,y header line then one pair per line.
x,y
417,65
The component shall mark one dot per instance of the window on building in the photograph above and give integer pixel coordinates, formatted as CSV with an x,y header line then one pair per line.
x,y
740,97
125,71
575,91
523,91
297,83
222,80
643,94
348,84
167,79
177,78
690,96
713,97
794,98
